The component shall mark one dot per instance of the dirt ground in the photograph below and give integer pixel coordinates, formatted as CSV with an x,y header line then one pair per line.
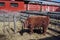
x,y
53,33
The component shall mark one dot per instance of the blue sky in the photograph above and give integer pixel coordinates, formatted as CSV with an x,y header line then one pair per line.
x,y
56,0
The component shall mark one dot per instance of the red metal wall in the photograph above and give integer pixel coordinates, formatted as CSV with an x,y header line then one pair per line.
x,y
7,6
33,7
19,8
50,8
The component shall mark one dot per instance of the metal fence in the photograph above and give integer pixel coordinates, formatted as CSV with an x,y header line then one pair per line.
x,y
9,17
15,16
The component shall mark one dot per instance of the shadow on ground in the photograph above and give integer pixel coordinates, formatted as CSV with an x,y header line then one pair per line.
x,y
38,31
2,37
51,38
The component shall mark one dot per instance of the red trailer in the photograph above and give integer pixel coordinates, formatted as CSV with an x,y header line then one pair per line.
x,y
53,7
32,6
12,6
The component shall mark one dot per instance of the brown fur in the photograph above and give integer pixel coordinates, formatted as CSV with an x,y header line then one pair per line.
x,y
37,21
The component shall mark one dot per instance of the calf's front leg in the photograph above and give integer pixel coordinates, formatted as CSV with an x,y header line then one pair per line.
x,y
31,29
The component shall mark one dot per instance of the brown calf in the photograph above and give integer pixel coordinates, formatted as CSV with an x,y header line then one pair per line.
x,y
37,21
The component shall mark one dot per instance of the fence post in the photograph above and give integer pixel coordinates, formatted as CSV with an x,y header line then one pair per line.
x,y
3,23
14,18
9,21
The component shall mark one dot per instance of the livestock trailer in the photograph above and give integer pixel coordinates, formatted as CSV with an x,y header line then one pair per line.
x,y
48,6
